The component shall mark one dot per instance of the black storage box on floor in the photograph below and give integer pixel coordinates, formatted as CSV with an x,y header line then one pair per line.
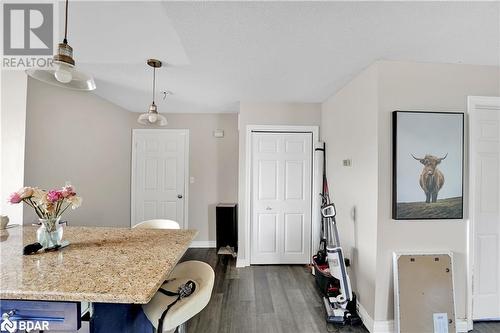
x,y
227,225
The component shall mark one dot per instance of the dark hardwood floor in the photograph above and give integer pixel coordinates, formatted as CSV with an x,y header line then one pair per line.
x,y
487,327
264,299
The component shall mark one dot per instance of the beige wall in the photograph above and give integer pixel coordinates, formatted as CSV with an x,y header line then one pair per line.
x,y
429,87
80,137
356,123
348,127
299,114
213,164
12,130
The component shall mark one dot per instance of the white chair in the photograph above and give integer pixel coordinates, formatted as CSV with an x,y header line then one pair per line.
x,y
157,224
202,275
199,272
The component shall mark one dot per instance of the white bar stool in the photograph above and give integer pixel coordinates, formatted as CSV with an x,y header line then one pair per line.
x,y
202,275
199,272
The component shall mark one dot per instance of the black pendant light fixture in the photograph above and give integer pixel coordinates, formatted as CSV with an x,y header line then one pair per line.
x,y
64,74
152,117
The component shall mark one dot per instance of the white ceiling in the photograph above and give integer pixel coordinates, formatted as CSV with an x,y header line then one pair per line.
x,y
221,53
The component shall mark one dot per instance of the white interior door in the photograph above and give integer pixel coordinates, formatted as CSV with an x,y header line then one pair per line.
x,y
159,170
281,198
485,208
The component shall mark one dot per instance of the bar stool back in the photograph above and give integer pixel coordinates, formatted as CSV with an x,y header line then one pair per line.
x,y
203,276
184,309
157,224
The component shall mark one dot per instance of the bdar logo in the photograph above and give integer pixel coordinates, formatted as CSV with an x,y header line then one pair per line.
x,y
8,326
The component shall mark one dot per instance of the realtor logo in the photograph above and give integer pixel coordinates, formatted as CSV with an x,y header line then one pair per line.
x,y
28,29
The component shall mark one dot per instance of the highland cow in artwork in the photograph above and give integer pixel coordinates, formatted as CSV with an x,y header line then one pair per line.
x,y
427,165
431,179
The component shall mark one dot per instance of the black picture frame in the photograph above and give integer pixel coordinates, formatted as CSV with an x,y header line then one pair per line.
x,y
442,208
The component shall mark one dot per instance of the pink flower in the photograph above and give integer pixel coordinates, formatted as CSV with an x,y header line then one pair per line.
x,y
68,191
15,198
54,195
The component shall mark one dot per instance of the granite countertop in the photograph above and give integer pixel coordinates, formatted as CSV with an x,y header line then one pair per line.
x,y
112,265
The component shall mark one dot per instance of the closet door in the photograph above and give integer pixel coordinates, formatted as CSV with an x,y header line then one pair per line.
x,y
281,198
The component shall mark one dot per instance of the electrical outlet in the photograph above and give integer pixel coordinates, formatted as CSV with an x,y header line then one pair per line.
x,y
347,163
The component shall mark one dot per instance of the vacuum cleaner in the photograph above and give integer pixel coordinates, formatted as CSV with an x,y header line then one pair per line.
x,y
330,266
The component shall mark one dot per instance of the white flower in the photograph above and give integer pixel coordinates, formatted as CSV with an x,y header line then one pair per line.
x,y
39,198
40,195
75,201
25,192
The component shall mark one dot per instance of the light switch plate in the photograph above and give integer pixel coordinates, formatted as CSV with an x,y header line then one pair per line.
x,y
219,133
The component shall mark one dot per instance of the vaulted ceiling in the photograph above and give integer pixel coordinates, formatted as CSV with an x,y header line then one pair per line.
x,y
220,53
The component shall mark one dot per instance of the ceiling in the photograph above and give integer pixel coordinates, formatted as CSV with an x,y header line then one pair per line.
x,y
221,53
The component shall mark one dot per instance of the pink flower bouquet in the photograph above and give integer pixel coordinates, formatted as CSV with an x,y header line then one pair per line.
x,y
47,204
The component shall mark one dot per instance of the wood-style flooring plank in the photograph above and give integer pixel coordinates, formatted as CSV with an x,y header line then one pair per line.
x,y
263,301
282,309
247,285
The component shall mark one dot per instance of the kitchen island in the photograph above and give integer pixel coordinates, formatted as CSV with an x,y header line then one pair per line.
x,y
116,269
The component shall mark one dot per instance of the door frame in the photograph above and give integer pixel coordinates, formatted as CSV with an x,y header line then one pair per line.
x,y
473,102
314,130
136,131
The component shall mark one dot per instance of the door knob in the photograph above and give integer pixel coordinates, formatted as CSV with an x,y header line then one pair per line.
x,y
179,196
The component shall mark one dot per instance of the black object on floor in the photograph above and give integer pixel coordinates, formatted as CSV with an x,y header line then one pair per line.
x,y
227,225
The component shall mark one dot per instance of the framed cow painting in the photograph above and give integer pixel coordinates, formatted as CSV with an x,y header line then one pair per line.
x,y
428,165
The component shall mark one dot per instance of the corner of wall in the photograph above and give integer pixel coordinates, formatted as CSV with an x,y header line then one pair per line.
x,y
349,128
14,90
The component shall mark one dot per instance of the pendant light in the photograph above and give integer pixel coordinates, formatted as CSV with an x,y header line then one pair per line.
x,y
64,74
152,117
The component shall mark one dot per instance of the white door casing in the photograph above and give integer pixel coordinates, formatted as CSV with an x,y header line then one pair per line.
x,y
160,166
281,197
484,124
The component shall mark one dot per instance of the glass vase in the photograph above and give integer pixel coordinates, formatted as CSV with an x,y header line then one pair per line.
x,y
50,233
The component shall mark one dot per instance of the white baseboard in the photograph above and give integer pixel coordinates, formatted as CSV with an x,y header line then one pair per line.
x,y
242,262
374,326
387,326
462,326
365,317
202,244
383,326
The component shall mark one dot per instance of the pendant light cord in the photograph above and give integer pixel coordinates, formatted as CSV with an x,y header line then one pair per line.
x,y
154,83
65,41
